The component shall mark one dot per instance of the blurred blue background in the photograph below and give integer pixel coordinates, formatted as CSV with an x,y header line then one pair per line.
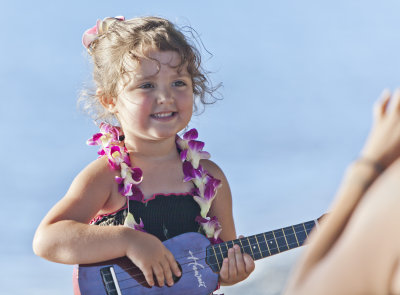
x,y
300,79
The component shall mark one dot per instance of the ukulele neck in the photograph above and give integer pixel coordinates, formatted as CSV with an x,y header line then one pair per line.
x,y
262,245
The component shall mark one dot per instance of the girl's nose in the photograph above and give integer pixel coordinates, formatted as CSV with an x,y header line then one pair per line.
x,y
165,97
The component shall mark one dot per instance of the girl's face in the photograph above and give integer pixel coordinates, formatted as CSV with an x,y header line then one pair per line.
x,y
157,102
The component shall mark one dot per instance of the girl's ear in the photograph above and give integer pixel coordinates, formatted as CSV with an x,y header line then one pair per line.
x,y
106,101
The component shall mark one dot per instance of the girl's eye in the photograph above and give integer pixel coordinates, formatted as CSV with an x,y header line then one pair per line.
x,y
146,86
179,83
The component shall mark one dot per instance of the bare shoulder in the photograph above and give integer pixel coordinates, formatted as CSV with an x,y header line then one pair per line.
x,y
98,171
97,176
89,193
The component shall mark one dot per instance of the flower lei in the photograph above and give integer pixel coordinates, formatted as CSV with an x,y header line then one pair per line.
x,y
191,152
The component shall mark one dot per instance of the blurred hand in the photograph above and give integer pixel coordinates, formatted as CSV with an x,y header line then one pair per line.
x,y
383,143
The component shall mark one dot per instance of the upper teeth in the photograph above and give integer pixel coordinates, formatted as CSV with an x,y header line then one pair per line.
x,y
161,115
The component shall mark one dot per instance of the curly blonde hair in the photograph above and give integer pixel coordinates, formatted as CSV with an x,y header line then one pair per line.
x,y
119,39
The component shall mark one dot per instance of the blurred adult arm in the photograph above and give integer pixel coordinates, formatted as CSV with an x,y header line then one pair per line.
x,y
339,228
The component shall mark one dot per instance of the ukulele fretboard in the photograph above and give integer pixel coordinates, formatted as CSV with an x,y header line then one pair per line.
x,y
262,245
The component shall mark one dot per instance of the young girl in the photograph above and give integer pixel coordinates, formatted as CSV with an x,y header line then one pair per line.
x,y
147,178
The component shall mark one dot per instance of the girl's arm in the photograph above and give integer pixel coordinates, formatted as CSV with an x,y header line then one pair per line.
x,y
381,150
65,236
237,266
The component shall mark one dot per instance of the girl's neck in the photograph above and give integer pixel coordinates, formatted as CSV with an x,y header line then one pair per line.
x,y
154,150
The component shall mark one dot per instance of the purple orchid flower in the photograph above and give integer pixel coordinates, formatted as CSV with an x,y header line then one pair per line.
x,y
211,187
206,186
204,204
214,241
130,177
211,226
114,155
131,223
137,194
189,172
125,189
113,131
206,194
192,149
191,134
95,140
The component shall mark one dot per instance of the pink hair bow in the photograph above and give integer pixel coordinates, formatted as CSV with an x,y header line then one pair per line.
x,y
93,33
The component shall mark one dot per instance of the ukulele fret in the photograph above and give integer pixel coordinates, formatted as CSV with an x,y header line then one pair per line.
x,y
300,232
249,246
305,230
271,242
255,250
266,243
241,246
283,233
259,249
246,246
295,235
216,258
276,242
224,248
309,226
220,256
229,244
290,237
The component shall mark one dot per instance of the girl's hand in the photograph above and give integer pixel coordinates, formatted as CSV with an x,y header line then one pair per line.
x,y
153,259
236,267
383,143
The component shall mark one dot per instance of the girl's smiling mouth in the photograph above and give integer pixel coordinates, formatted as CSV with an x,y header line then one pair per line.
x,y
163,116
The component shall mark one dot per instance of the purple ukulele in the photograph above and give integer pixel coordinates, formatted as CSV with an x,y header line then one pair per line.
x,y
199,262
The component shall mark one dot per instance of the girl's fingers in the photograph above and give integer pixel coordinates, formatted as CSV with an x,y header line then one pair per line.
x,y
159,274
223,273
167,272
232,263
148,274
173,264
240,264
249,263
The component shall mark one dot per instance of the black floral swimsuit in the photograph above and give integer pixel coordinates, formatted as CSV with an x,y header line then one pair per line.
x,y
163,215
